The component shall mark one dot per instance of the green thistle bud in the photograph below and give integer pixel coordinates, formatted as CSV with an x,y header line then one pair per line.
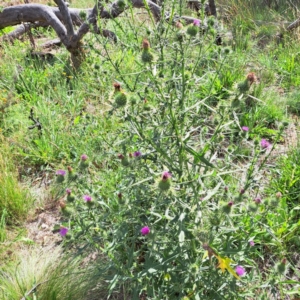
x,y
281,267
70,198
273,202
71,174
164,185
226,207
133,100
244,86
147,56
252,207
66,211
83,162
226,50
60,176
165,182
192,30
211,22
120,99
180,35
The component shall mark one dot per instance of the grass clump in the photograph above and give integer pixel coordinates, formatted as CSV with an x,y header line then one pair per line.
x,y
15,199
45,274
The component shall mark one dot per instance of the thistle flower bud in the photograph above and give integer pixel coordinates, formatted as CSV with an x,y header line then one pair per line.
x,y
71,174
226,207
145,44
88,200
124,160
252,207
178,25
165,182
192,30
147,56
83,162
282,267
70,198
251,78
257,200
60,176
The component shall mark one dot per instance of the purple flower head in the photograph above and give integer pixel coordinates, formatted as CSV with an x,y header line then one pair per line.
x,y
196,22
242,191
61,172
265,144
240,270
68,191
137,153
83,157
87,198
257,200
63,231
245,128
251,243
230,203
145,230
166,175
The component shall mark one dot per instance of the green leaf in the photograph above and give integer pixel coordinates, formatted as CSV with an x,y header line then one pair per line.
x,y
151,270
76,120
181,237
198,156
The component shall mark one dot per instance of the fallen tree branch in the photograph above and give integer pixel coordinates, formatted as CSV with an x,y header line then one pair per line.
x,y
294,25
61,19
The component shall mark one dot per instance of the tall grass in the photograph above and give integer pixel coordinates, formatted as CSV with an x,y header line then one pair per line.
x,y
14,198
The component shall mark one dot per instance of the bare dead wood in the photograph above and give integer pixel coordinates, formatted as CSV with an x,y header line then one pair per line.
x,y
61,19
212,7
294,25
50,44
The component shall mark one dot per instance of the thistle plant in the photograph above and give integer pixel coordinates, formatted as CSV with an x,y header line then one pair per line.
x,y
181,211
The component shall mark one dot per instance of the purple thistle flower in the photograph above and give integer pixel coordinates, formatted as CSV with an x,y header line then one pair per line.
x,y
87,198
251,243
137,153
61,172
230,203
68,191
257,200
145,230
196,22
265,144
63,231
240,270
83,157
245,128
166,175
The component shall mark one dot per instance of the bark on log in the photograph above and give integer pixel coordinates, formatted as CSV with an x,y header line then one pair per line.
x,y
294,25
62,18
